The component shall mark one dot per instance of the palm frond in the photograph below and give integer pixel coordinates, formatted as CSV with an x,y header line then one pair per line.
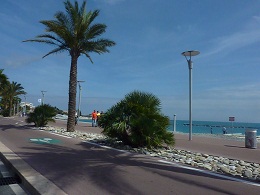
x,y
95,31
49,36
56,50
87,55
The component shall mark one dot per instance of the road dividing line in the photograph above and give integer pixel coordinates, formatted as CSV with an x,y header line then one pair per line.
x,y
107,147
61,135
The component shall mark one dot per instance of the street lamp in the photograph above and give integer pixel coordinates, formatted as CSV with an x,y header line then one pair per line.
x,y
24,106
43,96
174,123
79,97
190,53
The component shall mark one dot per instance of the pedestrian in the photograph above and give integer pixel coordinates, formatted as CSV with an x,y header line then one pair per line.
x,y
224,130
94,118
211,130
76,118
98,116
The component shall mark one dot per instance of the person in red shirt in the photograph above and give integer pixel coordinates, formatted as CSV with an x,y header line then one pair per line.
x,y
94,118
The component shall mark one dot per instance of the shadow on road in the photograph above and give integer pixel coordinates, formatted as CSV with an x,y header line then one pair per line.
x,y
107,169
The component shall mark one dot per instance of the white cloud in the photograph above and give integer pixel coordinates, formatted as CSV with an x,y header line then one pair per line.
x,y
112,2
248,36
18,61
234,42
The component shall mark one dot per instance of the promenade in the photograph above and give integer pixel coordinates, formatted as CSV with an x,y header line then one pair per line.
x,y
213,145
70,166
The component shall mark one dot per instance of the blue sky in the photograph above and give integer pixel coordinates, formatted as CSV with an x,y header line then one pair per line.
x,y
150,37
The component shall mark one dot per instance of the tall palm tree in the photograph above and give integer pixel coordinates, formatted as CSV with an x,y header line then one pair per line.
x,y
74,31
12,91
3,82
3,79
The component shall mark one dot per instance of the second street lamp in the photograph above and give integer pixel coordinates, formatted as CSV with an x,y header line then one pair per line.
x,y
189,54
43,97
79,97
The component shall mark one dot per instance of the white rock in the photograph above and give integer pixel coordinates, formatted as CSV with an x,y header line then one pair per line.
x,y
239,169
207,166
188,161
205,155
233,168
225,169
226,161
248,173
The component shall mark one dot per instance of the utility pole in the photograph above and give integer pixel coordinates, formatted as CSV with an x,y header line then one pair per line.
x,y
79,97
43,97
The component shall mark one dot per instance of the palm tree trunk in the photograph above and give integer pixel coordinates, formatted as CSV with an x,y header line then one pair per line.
x,y
10,107
72,93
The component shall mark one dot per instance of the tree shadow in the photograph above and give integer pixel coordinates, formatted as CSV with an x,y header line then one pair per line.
x,y
18,127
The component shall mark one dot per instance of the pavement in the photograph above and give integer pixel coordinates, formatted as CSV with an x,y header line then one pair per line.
x,y
28,175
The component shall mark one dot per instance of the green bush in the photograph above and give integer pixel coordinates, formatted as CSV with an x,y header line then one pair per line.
x,y
42,115
137,121
5,112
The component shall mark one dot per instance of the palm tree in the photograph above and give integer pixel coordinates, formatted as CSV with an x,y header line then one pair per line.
x,y
12,91
74,32
3,80
42,115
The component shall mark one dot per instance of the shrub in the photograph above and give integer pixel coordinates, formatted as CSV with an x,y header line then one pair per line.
x,y
137,121
5,112
41,115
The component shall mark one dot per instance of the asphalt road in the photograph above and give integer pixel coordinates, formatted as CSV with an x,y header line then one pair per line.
x,y
82,168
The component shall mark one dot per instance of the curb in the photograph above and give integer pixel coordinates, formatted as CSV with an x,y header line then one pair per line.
x,y
33,182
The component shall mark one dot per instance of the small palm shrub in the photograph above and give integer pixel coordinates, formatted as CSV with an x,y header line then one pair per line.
x,y
5,112
137,121
42,115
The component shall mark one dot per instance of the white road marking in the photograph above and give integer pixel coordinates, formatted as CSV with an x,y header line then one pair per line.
x,y
60,135
106,147
210,173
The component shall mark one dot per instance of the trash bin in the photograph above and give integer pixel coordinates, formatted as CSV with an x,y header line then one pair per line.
x,y
250,138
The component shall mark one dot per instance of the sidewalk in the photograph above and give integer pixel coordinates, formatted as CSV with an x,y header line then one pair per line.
x,y
203,144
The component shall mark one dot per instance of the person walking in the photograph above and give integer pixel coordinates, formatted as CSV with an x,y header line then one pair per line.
x,y
98,116
224,129
94,118
76,118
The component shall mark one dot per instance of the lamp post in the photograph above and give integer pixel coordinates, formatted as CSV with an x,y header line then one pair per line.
x,y
189,54
43,97
79,97
24,106
174,123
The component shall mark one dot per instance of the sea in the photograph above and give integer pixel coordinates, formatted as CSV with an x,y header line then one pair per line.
x,y
209,127
214,127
